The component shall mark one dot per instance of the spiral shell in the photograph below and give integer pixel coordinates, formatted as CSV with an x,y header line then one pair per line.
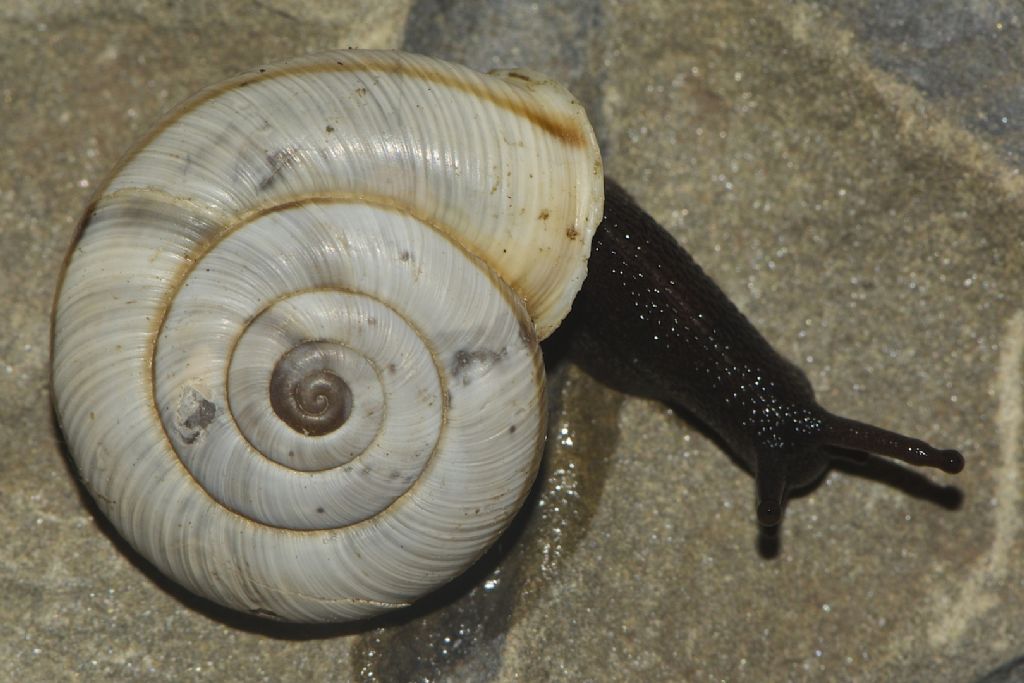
x,y
295,345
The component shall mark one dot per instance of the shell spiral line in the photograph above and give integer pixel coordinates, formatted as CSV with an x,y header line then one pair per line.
x,y
295,344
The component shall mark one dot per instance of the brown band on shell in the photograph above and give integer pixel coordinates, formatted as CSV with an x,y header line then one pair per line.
x,y
568,130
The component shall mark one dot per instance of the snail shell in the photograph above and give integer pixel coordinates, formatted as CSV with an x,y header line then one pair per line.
x,y
295,344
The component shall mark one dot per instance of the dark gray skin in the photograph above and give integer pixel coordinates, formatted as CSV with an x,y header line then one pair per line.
x,y
654,324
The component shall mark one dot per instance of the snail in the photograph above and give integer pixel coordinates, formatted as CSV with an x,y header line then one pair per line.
x,y
295,346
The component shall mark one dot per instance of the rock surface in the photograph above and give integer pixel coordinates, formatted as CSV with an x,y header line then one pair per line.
x,y
849,172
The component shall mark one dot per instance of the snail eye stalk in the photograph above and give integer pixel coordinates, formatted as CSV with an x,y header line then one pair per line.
x,y
842,432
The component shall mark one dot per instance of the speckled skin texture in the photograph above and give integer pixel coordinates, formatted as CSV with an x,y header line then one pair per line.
x,y
844,176
651,322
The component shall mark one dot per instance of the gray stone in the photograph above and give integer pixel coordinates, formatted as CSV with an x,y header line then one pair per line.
x,y
848,172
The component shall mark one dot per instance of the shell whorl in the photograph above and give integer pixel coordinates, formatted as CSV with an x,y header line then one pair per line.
x,y
306,391
295,344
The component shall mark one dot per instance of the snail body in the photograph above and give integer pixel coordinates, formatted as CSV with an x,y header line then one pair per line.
x,y
655,324
262,382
